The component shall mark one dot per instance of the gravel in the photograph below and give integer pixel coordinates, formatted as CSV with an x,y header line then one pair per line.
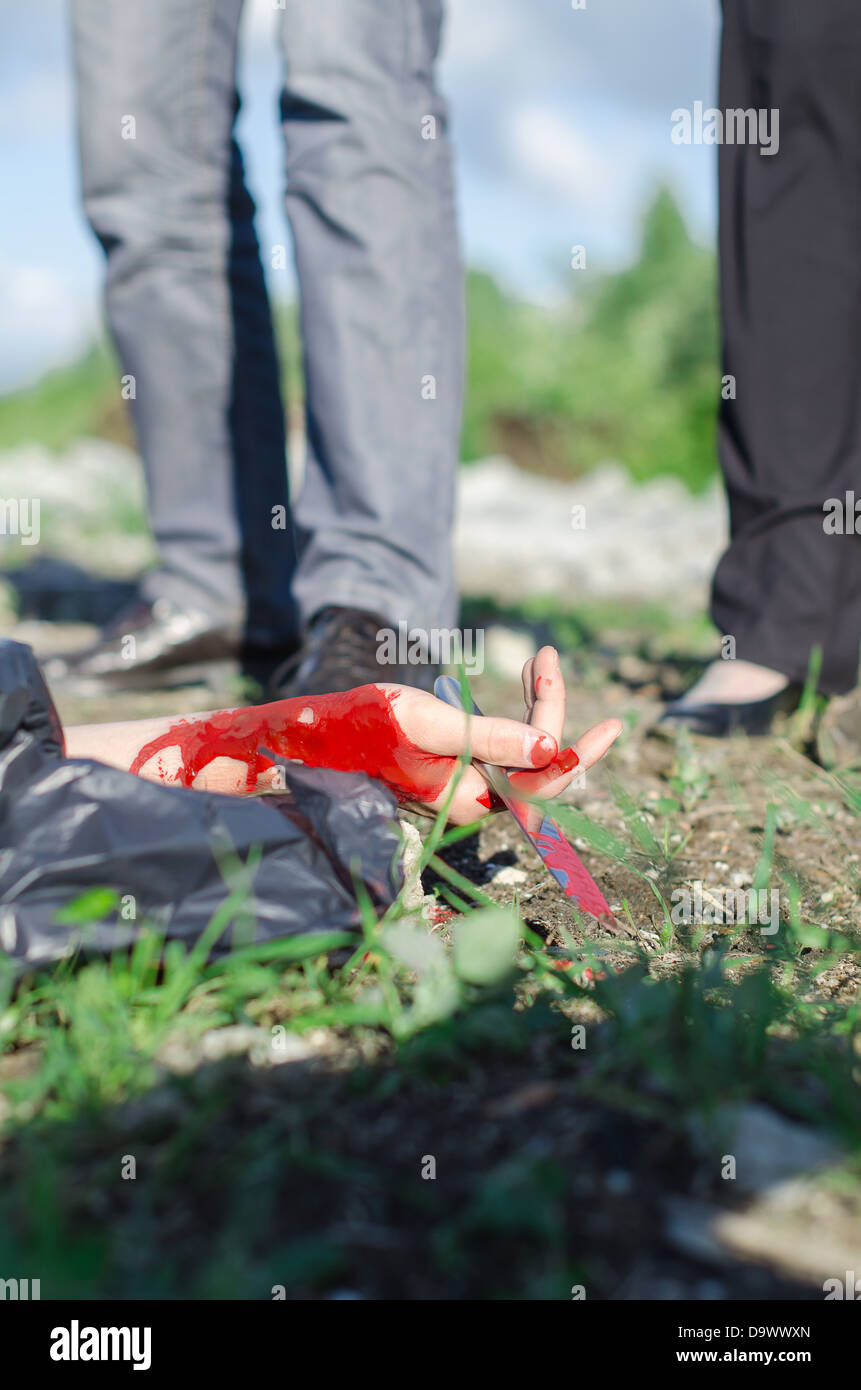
x,y
516,534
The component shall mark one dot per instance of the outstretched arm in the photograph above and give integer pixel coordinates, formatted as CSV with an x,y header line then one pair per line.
x,y
405,737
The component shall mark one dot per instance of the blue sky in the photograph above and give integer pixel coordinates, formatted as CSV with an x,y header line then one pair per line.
x,y
561,120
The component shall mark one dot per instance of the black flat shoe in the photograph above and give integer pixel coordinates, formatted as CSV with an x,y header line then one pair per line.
x,y
340,651
148,646
719,720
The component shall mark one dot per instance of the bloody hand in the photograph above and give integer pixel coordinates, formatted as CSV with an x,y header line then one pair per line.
x,y
403,736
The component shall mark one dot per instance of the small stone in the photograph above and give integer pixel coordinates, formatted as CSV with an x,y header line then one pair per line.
x,y
237,1040
412,893
509,877
285,1047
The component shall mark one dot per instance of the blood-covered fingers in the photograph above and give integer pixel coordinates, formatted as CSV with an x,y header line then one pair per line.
x,y
547,709
440,729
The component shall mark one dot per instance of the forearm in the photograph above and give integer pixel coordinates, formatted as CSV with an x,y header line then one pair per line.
x,y
119,744
227,750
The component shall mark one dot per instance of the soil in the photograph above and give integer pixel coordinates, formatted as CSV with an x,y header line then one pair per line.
x,y
540,1186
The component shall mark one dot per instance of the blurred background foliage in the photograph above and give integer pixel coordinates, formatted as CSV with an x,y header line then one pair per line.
x,y
624,366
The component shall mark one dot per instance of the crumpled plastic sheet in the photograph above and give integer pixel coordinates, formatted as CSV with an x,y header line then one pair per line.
x,y
71,825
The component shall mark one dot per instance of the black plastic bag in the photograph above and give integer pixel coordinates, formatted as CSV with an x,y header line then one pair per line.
x,y
72,825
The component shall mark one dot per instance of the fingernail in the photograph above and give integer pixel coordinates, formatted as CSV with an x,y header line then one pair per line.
x,y
541,750
563,763
568,759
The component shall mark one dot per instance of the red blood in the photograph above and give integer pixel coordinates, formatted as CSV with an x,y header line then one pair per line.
x,y
437,914
532,782
543,750
566,761
490,800
578,884
353,732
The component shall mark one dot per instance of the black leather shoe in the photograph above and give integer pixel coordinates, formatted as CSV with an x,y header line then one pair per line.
x,y
719,720
147,646
341,650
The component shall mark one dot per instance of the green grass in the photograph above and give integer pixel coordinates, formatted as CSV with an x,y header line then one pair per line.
x,y
625,366
675,1043
240,1167
63,405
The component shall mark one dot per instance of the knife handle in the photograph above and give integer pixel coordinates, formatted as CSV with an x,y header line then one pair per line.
x,y
450,691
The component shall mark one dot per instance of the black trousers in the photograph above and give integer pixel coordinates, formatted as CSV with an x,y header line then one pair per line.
x,y
790,255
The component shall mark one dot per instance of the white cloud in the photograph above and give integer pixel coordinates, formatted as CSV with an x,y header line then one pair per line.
x,y
38,102
45,322
626,52
547,151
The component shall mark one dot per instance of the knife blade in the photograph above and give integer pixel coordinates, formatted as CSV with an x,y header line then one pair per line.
x,y
540,830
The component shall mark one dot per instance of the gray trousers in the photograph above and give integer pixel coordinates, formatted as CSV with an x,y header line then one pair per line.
x,y
371,207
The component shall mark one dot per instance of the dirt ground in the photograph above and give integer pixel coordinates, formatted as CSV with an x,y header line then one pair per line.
x,y
555,1175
